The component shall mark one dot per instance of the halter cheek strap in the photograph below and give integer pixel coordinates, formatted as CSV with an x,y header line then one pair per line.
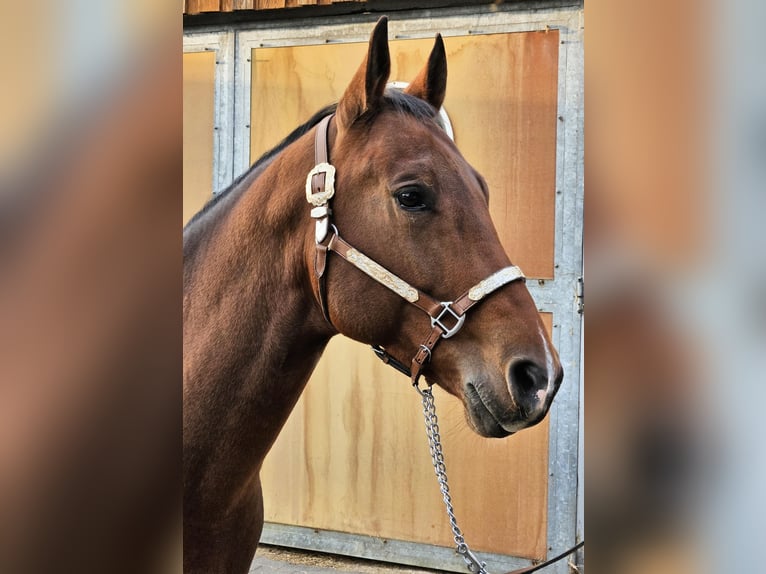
x,y
447,317
320,187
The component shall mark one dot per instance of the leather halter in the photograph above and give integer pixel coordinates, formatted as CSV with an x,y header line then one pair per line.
x,y
447,317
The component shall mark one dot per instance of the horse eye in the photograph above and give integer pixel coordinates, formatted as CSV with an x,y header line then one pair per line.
x,y
411,199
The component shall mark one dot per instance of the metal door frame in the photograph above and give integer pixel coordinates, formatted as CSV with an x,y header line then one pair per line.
x,y
222,43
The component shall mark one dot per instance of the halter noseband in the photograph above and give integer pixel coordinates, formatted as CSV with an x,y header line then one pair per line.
x,y
447,317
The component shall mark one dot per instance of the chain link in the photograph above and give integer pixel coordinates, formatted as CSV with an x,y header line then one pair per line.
x,y
472,562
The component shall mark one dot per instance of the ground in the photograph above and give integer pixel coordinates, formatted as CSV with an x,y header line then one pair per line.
x,y
277,560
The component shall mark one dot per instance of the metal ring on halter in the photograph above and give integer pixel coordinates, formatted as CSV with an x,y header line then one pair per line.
x,y
428,352
424,392
447,311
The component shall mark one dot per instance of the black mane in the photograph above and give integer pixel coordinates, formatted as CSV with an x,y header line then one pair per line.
x,y
394,98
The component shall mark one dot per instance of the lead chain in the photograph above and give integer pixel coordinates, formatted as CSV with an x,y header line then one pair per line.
x,y
472,562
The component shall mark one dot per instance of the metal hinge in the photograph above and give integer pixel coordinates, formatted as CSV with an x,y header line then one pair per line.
x,y
580,295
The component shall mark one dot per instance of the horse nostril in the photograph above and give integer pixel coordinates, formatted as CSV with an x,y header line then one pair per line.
x,y
526,380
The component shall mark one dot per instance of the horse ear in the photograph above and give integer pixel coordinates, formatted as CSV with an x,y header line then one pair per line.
x,y
431,83
365,91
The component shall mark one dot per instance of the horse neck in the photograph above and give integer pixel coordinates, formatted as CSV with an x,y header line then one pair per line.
x,y
251,322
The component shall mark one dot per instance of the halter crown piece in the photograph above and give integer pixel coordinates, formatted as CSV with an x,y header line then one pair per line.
x,y
447,317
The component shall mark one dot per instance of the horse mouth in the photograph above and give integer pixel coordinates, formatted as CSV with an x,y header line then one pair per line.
x,y
491,420
480,416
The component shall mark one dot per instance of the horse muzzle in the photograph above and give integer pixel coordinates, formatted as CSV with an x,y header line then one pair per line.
x,y
521,402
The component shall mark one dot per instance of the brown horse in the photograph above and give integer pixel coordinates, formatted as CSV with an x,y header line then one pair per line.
x,y
263,294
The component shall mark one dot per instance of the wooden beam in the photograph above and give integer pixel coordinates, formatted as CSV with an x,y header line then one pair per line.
x,y
192,6
209,5
269,4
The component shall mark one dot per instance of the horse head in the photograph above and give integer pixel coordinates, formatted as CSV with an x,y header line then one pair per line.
x,y
409,200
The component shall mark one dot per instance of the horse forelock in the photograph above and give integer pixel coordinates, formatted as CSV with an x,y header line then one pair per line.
x,y
405,104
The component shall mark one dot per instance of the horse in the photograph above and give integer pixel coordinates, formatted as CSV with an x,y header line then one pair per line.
x,y
269,279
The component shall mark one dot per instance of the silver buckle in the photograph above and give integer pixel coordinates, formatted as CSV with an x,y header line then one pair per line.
x,y
322,197
447,310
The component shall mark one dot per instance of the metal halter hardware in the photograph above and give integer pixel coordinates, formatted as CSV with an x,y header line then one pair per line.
x,y
322,197
447,310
